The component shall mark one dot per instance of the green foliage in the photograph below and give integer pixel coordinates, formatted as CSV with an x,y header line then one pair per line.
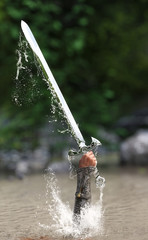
x,y
96,49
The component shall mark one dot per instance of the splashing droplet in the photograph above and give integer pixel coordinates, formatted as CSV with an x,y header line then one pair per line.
x,y
62,224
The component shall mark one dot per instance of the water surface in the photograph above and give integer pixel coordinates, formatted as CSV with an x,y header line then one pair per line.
x,y
23,206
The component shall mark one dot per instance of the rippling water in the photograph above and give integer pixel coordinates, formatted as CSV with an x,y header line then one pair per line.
x,y
25,207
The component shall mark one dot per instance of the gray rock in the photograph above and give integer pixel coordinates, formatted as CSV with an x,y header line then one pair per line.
x,y
60,167
51,144
23,162
22,169
107,136
134,150
9,159
135,121
39,159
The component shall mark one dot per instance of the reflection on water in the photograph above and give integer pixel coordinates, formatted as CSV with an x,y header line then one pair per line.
x,y
23,207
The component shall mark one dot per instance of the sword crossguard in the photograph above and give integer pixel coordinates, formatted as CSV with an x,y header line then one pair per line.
x,y
84,149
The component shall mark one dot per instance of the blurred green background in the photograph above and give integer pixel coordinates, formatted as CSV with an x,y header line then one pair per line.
x,y
98,53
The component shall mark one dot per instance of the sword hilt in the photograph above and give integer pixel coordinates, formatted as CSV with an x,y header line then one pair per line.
x,y
83,148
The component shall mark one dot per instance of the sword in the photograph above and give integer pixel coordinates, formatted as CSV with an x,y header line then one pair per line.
x,y
61,101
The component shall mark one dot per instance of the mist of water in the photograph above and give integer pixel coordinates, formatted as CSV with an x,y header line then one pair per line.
x,y
27,80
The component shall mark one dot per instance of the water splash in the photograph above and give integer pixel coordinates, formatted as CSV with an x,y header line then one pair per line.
x,y
27,80
62,224
21,52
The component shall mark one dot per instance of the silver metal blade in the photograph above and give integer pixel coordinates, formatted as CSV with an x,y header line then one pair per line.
x,y
49,77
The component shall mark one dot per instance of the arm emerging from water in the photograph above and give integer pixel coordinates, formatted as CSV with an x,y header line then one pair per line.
x,y
87,165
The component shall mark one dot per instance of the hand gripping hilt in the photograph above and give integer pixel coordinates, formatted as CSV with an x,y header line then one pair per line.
x,y
100,181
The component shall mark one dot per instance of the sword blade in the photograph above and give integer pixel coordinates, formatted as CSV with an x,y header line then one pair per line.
x,y
53,84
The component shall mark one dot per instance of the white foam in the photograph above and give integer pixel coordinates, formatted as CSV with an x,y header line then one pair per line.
x,y
62,224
